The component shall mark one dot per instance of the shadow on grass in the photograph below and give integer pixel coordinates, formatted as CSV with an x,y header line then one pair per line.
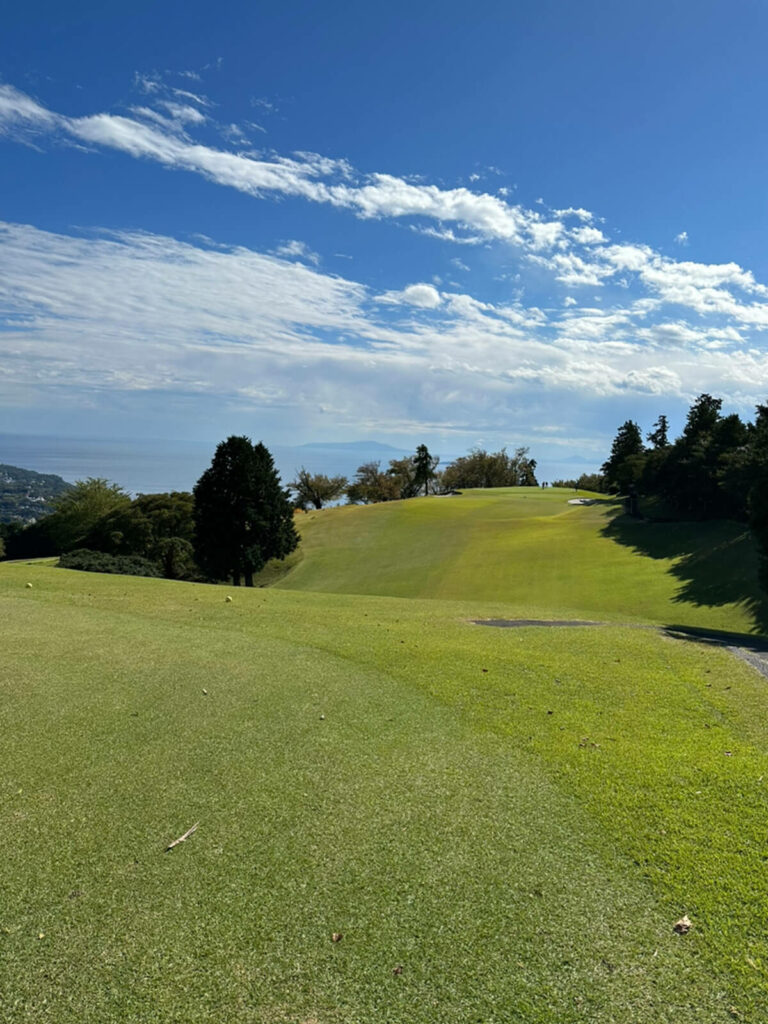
x,y
719,638
715,562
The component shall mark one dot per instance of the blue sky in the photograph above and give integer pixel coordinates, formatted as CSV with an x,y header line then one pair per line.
x,y
496,223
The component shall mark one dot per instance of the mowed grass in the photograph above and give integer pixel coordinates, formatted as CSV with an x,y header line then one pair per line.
x,y
511,820
543,557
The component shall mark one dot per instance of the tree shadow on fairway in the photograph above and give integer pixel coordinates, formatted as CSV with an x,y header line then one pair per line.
x,y
718,638
715,562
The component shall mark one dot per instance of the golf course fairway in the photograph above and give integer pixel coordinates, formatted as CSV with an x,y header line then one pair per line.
x,y
403,816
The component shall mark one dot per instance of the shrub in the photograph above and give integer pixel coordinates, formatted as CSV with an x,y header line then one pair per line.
x,y
97,561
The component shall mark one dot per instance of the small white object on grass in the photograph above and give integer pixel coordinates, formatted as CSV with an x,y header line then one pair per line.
x,y
322,718
228,599
29,586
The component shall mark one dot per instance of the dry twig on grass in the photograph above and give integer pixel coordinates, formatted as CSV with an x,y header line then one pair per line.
x,y
181,839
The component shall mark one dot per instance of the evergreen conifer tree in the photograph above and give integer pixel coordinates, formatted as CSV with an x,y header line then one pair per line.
x,y
243,516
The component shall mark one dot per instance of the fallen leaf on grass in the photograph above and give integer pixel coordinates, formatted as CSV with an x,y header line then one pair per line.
x,y
398,969
683,926
337,937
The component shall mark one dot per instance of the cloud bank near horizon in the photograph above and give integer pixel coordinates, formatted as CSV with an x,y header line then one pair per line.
x,y
135,312
143,313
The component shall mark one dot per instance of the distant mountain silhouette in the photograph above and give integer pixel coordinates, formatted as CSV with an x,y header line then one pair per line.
x,y
367,446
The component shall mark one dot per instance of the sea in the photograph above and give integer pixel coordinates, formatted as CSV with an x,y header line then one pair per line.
x,y
151,466
144,466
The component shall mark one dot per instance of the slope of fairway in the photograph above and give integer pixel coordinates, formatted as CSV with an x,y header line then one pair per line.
x,y
544,557
502,825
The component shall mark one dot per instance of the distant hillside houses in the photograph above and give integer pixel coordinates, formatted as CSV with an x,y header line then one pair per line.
x,y
26,496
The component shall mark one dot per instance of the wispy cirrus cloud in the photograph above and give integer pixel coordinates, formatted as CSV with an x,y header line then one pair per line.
x,y
309,176
294,249
577,256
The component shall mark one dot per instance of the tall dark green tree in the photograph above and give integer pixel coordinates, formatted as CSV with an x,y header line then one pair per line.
x,y
653,474
424,465
758,490
707,453
659,436
243,515
623,467
702,419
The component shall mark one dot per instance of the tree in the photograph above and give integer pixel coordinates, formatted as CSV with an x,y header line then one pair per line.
x,y
78,510
491,469
158,527
315,490
243,516
371,484
659,436
424,466
758,491
702,419
623,467
525,469
403,475
702,471
404,478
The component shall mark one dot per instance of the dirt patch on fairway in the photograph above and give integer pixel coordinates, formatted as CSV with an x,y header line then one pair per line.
x,y
514,623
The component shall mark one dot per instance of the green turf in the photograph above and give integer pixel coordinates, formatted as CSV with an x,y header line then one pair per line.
x,y
535,552
515,817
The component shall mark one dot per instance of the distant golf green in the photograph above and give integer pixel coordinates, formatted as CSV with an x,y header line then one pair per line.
x,y
402,816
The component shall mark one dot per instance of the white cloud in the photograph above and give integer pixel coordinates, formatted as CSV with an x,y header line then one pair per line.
x,y
131,314
78,310
294,249
19,111
573,270
447,235
378,195
682,238
588,236
571,211
183,112
423,295
576,257
194,97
